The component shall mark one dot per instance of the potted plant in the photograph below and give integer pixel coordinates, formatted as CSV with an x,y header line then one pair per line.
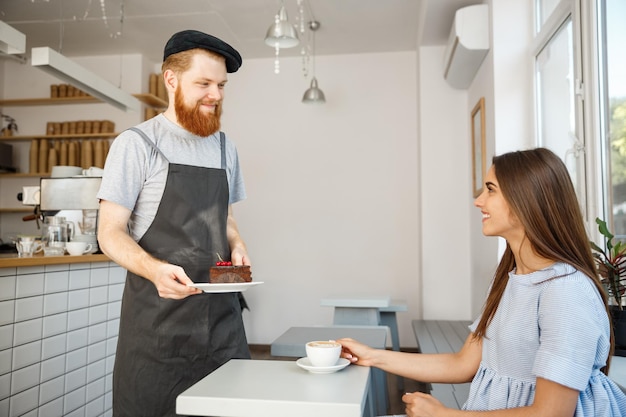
x,y
611,263
11,125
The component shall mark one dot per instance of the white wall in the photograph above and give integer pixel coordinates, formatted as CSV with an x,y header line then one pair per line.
x,y
458,261
445,181
505,79
332,189
354,197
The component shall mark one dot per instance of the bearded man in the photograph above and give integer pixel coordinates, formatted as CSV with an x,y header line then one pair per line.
x,y
166,216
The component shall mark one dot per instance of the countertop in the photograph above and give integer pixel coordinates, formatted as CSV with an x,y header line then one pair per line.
x,y
9,260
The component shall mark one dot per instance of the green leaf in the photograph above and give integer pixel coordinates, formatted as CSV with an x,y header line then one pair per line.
x,y
604,230
596,247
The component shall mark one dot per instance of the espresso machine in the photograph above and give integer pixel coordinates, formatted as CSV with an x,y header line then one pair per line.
x,y
69,209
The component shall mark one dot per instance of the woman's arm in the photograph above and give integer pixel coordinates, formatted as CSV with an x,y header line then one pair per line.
x,y
551,400
446,367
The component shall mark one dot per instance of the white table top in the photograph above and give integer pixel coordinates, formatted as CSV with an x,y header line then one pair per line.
x,y
262,388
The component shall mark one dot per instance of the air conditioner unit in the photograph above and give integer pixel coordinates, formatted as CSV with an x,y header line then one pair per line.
x,y
467,46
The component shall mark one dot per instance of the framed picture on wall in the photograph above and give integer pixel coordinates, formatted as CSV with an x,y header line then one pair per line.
x,y
479,169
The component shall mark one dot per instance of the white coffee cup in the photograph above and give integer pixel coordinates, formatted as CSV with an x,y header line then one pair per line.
x,y
75,248
323,353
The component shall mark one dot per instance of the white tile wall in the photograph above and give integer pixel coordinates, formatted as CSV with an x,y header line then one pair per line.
x,y
58,334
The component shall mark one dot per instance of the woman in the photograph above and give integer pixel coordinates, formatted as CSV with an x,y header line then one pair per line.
x,y
543,342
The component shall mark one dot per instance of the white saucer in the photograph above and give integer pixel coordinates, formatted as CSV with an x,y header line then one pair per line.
x,y
305,363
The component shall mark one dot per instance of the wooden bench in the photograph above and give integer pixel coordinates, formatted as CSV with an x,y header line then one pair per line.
x,y
442,336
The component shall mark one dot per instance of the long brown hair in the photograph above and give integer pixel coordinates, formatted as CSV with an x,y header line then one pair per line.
x,y
538,189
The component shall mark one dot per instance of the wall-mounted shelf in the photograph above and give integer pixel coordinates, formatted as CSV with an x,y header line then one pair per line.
x,y
57,137
25,174
151,100
148,99
48,101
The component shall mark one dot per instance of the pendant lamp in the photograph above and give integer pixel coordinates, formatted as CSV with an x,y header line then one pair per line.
x,y
314,95
281,34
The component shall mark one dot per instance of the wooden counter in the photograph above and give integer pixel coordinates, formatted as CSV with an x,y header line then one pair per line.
x,y
9,260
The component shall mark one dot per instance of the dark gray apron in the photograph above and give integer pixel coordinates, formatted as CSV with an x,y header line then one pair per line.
x,y
166,345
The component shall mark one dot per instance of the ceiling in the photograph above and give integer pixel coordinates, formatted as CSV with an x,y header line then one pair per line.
x,y
111,27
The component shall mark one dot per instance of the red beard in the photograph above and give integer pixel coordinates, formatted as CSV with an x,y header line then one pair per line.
x,y
195,121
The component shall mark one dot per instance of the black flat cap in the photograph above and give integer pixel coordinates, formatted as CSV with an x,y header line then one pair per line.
x,y
191,39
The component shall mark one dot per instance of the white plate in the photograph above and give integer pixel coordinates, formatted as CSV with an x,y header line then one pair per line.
x,y
228,287
305,363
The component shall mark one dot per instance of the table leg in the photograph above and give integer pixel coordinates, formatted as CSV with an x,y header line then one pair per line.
x,y
370,401
379,379
388,318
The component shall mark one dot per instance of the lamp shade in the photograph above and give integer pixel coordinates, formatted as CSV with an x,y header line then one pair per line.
x,y
313,94
281,34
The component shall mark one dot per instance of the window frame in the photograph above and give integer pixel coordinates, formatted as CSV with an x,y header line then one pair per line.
x,y
591,107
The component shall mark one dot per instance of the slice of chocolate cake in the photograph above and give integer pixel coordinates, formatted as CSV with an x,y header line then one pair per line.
x,y
230,274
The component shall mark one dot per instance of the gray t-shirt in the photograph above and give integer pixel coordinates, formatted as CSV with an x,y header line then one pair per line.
x,y
135,174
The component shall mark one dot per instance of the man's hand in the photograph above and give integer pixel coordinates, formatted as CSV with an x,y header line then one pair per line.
x,y
171,282
239,256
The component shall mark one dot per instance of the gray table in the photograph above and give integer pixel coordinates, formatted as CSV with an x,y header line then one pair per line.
x,y
369,311
292,344
266,388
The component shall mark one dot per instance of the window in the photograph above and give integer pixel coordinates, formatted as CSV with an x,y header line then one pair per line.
x,y
557,77
612,37
543,10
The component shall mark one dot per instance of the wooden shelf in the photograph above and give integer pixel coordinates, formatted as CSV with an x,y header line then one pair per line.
x,y
48,101
25,174
151,100
56,137
11,260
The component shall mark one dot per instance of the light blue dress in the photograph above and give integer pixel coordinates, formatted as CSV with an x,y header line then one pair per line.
x,y
556,329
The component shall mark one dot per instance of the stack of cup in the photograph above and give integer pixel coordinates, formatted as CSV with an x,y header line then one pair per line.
x,y
77,248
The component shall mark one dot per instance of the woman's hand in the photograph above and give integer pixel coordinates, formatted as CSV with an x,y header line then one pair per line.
x,y
419,404
357,352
